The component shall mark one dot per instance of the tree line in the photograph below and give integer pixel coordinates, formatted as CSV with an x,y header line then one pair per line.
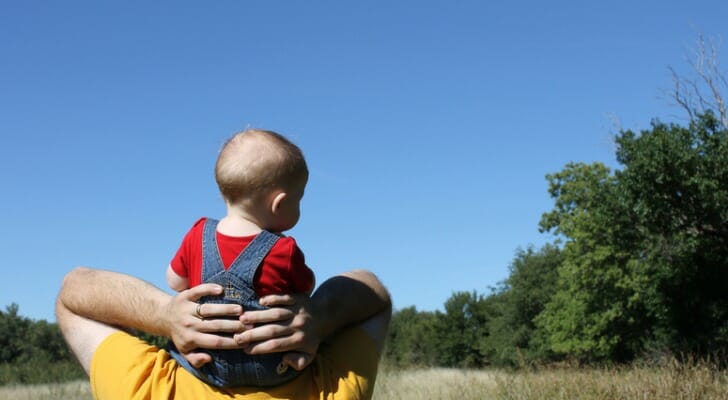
x,y
33,351
638,267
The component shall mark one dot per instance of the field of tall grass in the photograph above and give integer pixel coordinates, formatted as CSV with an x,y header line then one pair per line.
x,y
672,382
675,381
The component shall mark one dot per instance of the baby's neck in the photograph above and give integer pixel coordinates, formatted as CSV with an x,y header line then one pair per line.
x,y
238,225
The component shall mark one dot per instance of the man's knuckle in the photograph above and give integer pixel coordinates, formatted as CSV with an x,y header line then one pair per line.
x,y
185,344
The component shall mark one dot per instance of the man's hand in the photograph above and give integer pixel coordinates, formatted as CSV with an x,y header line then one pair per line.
x,y
288,326
189,332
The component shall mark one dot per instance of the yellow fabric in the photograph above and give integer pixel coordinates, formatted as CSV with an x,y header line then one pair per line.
x,y
126,368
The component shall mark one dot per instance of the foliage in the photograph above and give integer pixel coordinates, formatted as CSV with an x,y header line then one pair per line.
x,y
33,351
646,253
412,338
461,329
449,339
592,313
513,338
676,182
640,266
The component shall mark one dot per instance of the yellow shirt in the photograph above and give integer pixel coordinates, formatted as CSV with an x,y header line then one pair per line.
x,y
125,368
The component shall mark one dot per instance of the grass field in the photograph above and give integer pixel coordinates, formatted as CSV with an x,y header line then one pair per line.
x,y
79,390
683,382
674,382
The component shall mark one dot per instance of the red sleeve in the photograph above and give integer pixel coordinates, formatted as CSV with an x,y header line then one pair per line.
x,y
302,278
284,270
184,261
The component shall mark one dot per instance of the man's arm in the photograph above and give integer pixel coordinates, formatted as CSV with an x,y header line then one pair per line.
x,y
353,298
93,303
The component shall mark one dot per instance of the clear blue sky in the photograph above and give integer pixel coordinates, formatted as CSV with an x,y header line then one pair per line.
x,y
428,125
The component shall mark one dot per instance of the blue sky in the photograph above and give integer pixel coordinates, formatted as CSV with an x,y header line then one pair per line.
x,y
429,126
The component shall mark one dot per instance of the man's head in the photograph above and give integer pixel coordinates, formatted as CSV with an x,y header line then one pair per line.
x,y
262,172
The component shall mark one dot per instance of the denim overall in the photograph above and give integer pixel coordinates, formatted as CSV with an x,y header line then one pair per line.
x,y
230,368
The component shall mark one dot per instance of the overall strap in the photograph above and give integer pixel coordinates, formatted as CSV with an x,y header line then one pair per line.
x,y
211,260
247,262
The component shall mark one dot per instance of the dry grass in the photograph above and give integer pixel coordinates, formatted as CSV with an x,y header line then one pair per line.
x,y
438,383
672,382
698,381
78,390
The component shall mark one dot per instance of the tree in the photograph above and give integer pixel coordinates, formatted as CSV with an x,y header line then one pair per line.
x,y
461,329
596,309
513,308
412,338
33,351
12,331
676,181
646,247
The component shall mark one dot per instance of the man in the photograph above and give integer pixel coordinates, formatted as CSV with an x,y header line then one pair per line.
x,y
337,334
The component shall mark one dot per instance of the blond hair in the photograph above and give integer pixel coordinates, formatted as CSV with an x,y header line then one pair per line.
x,y
254,161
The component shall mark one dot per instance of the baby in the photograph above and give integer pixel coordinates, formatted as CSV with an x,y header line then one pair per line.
x,y
262,177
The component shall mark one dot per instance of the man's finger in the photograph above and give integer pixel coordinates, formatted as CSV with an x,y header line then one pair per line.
x,y
297,360
215,310
205,289
261,333
221,325
211,341
197,359
266,316
271,346
278,300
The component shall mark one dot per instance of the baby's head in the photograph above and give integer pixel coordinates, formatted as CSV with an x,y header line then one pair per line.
x,y
263,175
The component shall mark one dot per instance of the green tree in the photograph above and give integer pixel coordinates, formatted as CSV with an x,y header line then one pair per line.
x,y
33,351
412,338
43,341
12,332
676,182
593,311
461,330
531,284
646,251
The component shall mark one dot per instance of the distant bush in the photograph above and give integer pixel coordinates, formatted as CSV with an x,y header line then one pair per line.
x,y
33,351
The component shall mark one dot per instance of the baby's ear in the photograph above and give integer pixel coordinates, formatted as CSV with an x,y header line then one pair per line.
x,y
277,202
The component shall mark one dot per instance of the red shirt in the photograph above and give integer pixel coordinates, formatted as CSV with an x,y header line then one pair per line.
x,y
283,270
